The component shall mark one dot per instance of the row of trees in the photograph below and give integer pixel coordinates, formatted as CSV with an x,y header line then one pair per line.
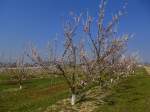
x,y
94,53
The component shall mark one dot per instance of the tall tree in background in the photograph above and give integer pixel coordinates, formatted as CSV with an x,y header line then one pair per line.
x,y
21,70
18,72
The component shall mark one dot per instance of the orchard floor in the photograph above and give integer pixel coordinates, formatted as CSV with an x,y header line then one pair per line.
x,y
131,95
38,95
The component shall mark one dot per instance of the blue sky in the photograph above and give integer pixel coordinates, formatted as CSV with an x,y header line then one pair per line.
x,y
38,21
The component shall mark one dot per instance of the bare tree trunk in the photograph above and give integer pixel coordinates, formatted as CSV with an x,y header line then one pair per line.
x,y
73,99
111,80
20,87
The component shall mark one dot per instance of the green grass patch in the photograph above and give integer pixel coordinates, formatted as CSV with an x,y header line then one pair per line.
x,y
36,95
130,95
